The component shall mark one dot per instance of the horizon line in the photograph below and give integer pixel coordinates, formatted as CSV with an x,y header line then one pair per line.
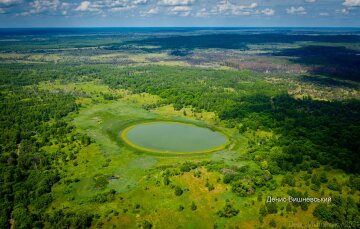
x,y
235,27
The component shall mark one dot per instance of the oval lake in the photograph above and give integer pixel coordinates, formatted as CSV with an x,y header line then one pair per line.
x,y
173,137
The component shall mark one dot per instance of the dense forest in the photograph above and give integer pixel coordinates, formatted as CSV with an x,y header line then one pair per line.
x,y
30,121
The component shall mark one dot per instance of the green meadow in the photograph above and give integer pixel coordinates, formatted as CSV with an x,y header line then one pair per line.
x,y
110,164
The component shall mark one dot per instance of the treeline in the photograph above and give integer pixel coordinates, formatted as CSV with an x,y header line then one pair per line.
x,y
237,41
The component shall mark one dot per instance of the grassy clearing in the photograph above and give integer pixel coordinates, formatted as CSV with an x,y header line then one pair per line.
x,y
108,164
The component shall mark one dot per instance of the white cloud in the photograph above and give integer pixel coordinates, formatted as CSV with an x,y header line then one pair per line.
x,y
184,14
50,7
119,3
253,5
324,14
139,2
109,5
344,11
84,6
268,12
202,13
351,3
123,8
42,5
153,10
195,8
226,7
10,2
180,10
296,10
175,2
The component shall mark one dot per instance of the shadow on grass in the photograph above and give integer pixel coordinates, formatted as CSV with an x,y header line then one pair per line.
x,y
325,81
338,62
236,41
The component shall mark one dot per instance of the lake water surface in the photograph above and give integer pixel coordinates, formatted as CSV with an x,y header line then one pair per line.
x,y
174,137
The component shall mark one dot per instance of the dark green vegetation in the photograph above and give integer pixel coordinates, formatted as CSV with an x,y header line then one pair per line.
x,y
240,41
288,101
31,122
339,62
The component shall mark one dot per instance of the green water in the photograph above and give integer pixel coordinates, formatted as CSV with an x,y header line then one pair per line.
x,y
174,137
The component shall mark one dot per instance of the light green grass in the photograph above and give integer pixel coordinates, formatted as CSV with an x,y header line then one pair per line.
x,y
137,179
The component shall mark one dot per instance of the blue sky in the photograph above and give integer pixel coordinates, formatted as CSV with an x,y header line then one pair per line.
x,y
243,13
